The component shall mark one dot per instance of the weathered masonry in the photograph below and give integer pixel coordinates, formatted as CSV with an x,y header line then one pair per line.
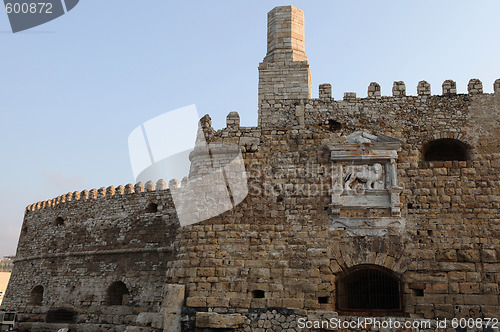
x,y
373,206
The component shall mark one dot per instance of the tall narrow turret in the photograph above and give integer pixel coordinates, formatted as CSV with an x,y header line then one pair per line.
x,y
284,73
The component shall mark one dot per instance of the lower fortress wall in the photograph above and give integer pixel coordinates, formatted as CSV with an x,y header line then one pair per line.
x,y
95,243
280,253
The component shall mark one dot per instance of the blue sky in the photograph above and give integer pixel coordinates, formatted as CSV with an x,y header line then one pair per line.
x,y
73,89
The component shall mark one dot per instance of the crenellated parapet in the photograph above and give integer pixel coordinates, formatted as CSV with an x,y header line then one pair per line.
x,y
101,193
375,107
449,88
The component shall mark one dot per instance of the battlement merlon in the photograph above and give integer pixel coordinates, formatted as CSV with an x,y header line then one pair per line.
x,y
284,72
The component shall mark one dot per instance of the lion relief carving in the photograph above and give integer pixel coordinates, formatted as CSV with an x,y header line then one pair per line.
x,y
368,175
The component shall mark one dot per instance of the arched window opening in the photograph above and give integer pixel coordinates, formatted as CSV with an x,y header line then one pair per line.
x,y
117,293
445,149
36,296
61,316
369,289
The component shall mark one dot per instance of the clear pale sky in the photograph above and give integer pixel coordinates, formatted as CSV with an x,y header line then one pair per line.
x,y
73,89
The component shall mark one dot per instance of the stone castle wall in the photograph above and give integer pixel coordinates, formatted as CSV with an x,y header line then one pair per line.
x,y
280,240
77,245
280,253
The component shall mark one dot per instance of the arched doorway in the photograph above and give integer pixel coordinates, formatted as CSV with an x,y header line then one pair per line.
x,y
369,289
36,296
116,293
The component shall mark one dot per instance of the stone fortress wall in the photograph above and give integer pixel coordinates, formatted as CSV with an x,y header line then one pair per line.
x,y
78,245
286,249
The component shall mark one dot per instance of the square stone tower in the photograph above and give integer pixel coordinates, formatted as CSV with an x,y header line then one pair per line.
x,y
284,73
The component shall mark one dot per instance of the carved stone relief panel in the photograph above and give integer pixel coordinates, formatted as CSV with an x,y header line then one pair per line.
x,y
365,192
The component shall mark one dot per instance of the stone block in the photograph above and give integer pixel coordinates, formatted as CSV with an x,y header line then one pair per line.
x,y
446,255
489,256
444,310
219,321
173,301
233,120
374,90
325,91
475,86
196,302
217,301
489,288
469,287
399,89
449,88
349,96
423,88
496,86
205,272
439,288
258,303
293,303
154,319
468,255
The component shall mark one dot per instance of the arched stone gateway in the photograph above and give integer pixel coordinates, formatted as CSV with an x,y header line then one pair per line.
x,y
369,289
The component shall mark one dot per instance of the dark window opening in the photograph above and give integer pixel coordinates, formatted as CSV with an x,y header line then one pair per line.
x,y
369,288
323,299
61,316
59,221
334,125
410,205
445,149
36,296
258,294
429,232
152,208
418,292
117,293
